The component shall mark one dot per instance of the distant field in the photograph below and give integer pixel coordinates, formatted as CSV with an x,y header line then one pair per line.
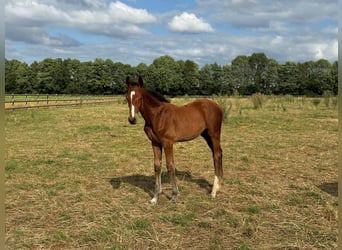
x,y
82,177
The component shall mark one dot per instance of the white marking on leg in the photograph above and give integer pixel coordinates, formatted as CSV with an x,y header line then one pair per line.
x,y
132,106
154,200
216,187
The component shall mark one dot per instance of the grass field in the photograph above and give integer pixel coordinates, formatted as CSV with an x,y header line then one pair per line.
x,y
82,178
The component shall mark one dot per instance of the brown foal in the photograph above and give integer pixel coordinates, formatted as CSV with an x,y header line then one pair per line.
x,y
166,124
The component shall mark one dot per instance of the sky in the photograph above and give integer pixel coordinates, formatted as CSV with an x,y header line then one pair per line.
x,y
139,31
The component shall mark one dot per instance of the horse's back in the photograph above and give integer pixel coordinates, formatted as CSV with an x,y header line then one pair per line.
x,y
213,114
212,111
184,123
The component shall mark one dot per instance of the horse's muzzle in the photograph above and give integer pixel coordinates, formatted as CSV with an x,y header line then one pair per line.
x,y
132,120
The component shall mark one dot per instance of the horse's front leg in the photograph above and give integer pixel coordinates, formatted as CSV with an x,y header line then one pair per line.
x,y
157,152
170,167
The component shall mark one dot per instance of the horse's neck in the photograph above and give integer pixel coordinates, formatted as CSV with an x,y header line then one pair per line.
x,y
149,107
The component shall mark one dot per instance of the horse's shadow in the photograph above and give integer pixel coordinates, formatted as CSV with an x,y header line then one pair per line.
x,y
330,188
146,183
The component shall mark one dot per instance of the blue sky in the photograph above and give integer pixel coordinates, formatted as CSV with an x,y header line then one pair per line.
x,y
139,31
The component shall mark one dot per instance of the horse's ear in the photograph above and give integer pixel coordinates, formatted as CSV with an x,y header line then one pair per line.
x,y
141,82
127,81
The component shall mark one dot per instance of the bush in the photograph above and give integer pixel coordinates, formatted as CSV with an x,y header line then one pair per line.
x,y
225,105
327,95
316,101
258,100
334,102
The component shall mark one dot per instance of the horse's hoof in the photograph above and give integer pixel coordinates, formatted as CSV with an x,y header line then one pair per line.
x,y
173,199
153,201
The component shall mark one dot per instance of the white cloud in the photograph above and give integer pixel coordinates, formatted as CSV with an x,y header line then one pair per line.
x,y
189,23
78,4
278,40
201,49
260,14
325,50
115,19
31,12
124,13
70,11
284,30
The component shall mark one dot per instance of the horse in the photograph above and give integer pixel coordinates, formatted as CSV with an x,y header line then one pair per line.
x,y
166,124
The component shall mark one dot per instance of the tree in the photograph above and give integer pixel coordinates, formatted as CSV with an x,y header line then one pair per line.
x,y
204,80
228,84
257,63
217,78
18,77
50,77
212,80
315,77
288,74
190,83
73,76
334,76
99,77
269,77
119,72
142,70
323,75
241,74
246,75
165,75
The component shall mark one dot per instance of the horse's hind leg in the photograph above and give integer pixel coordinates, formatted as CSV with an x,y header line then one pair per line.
x,y
170,167
218,181
213,141
157,152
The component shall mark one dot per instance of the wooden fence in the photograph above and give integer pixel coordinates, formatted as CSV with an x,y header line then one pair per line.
x,y
13,101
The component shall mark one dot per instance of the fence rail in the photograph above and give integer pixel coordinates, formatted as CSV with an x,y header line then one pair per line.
x,y
13,101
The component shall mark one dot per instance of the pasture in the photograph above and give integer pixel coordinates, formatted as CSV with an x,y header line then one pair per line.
x,y
82,178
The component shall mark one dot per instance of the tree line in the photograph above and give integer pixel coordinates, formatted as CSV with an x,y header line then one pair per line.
x,y
244,76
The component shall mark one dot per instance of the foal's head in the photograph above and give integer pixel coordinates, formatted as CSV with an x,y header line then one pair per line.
x,y
134,98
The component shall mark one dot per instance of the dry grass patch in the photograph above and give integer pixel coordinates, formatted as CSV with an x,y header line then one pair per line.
x,y
82,178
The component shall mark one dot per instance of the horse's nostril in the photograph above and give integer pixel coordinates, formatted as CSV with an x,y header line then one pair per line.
x,y
132,120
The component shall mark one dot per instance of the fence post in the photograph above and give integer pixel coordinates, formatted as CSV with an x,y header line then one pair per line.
x,y
38,101
47,100
12,102
26,101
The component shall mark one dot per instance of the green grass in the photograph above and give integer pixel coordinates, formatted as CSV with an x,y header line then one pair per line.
x,y
82,178
181,220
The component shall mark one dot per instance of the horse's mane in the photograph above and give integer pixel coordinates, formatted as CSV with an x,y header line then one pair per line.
x,y
157,96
